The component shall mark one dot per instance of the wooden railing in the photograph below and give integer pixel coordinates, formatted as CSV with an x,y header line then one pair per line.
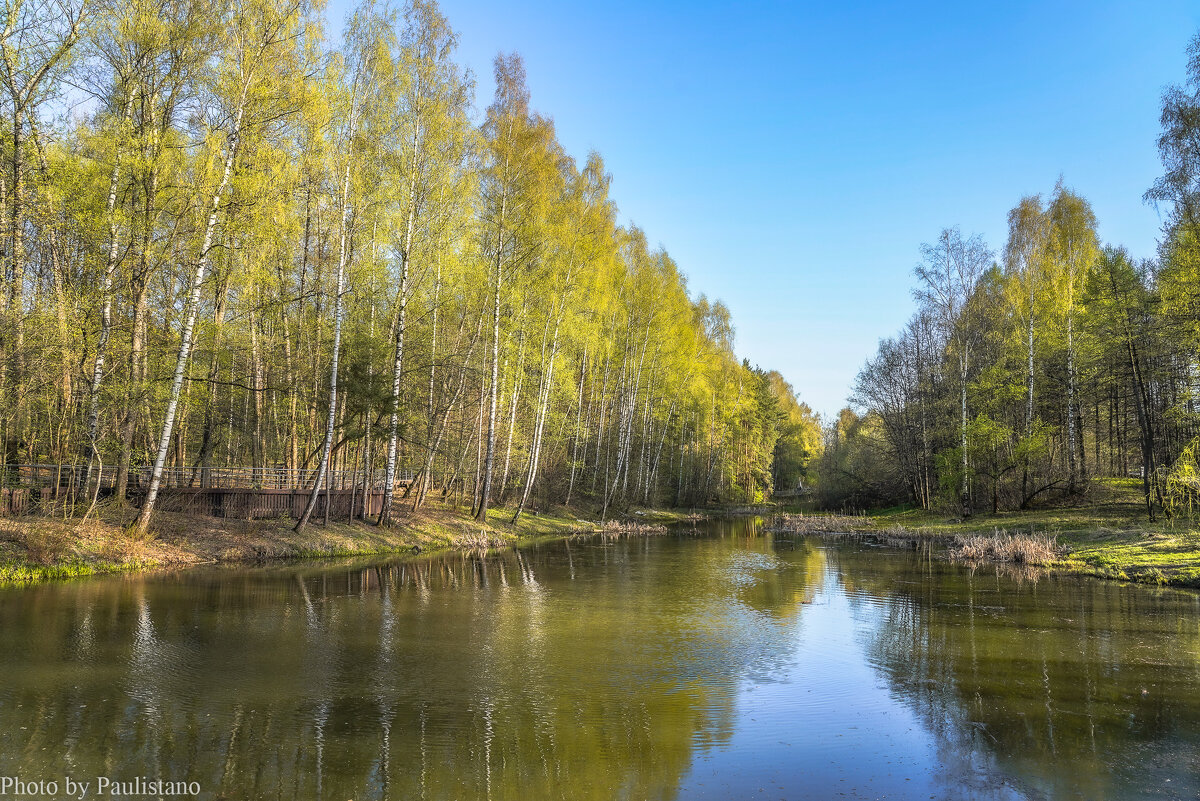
x,y
268,478
238,492
66,476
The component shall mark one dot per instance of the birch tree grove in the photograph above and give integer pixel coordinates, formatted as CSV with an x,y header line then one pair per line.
x,y
1064,365
242,96
364,48
315,260
1084,365
948,274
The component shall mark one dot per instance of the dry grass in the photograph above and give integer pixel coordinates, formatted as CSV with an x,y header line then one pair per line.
x,y
818,524
45,543
631,528
478,539
898,536
40,548
1000,546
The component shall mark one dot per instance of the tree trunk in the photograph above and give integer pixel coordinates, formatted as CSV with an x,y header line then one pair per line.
x,y
1072,466
966,487
16,265
514,402
385,513
389,487
436,442
208,435
579,432
1029,403
338,306
427,478
135,396
539,427
257,458
493,390
193,303
106,294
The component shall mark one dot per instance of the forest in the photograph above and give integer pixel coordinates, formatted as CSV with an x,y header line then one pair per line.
x,y
229,241
1028,371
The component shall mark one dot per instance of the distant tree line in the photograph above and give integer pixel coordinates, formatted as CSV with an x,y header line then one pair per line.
x,y
1025,373
227,241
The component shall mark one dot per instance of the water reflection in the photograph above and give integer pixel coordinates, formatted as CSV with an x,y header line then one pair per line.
x,y
1081,688
459,677
712,663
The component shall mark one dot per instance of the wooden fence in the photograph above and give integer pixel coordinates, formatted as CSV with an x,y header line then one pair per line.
x,y
258,504
14,501
246,493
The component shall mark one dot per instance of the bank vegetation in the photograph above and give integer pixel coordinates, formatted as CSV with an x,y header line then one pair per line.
x,y
1030,371
229,240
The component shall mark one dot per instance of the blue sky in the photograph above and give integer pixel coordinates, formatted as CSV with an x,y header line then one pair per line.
x,y
792,157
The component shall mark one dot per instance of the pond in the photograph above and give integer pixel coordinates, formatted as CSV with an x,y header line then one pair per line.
x,y
716,662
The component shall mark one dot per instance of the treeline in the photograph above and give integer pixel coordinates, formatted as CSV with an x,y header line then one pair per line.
x,y
254,248
1025,373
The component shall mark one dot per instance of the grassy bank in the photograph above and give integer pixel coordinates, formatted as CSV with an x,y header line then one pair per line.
x,y
1104,532
40,548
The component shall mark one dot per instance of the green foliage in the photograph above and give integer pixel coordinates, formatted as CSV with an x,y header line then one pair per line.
x,y
1181,484
1013,386
357,181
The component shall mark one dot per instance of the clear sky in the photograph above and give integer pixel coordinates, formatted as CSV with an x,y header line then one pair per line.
x,y
793,156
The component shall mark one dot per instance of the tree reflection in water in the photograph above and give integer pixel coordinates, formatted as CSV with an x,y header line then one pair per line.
x,y
1080,688
627,669
486,676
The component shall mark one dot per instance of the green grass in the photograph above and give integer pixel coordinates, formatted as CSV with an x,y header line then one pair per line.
x,y
1106,533
22,572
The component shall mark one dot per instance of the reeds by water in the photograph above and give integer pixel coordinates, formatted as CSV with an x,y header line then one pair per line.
x,y
818,524
1000,546
631,528
479,540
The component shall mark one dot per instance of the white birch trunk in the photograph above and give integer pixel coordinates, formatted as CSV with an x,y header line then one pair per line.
x,y
543,408
193,303
489,461
389,481
579,432
338,308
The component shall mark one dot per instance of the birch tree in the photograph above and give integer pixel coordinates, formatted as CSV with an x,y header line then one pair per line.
x,y
585,235
366,46
948,272
1023,257
245,94
1072,249
433,141
519,160
35,43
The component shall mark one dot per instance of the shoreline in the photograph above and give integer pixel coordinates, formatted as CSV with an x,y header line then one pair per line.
x,y
1103,539
40,548
1091,540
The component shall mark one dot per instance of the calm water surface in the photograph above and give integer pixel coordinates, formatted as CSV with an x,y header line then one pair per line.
x,y
715,663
